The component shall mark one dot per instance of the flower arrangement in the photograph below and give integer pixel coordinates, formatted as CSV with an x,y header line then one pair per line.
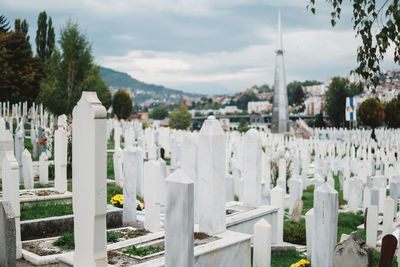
x,y
118,201
301,263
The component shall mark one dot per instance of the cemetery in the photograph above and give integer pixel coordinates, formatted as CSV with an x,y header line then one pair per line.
x,y
154,196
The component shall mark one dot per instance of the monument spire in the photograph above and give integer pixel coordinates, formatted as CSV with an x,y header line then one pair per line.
x,y
280,114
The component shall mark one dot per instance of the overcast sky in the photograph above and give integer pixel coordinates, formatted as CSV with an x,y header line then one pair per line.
x,y
205,46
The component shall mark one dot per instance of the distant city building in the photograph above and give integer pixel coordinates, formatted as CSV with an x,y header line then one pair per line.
x,y
316,90
314,105
258,106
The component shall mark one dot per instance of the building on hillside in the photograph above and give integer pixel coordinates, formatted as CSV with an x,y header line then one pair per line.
x,y
258,106
314,105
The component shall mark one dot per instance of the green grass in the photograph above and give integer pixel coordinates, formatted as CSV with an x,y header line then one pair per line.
x,y
348,222
46,209
110,168
285,258
22,187
67,241
142,251
308,199
110,143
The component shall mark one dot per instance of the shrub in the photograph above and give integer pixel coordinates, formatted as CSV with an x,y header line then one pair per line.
x,y
294,232
122,104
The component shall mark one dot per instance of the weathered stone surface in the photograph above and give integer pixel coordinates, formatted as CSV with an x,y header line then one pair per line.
x,y
297,209
353,252
7,235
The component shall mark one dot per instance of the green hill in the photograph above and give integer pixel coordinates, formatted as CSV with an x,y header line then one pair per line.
x,y
142,91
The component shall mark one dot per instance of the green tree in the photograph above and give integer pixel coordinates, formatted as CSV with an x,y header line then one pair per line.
x,y
45,37
298,96
245,98
20,72
158,113
180,118
4,25
243,127
71,71
319,121
371,113
22,27
122,104
335,100
392,113
377,24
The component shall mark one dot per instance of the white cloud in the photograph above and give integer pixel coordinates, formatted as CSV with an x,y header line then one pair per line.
x,y
305,50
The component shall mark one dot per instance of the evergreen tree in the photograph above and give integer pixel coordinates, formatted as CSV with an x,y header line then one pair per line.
x,y
22,27
335,100
71,71
4,25
20,72
45,38
122,104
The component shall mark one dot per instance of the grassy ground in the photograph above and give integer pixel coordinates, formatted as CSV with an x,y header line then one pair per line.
x,y
285,258
45,209
110,167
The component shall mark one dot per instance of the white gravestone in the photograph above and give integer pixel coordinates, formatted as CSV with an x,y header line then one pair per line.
x,y
60,159
324,225
179,220
89,154
372,226
278,199
211,177
262,244
309,230
10,174
252,168
117,161
27,169
152,173
43,169
388,216
129,187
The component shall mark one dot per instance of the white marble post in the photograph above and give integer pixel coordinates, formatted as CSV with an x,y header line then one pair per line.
x,y
278,199
179,220
117,162
43,169
117,134
129,187
6,144
89,155
372,226
324,225
282,173
309,230
139,174
388,216
60,159
10,180
366,197
252,168
211,177
262,244
27,169
189,165
152,173
19,148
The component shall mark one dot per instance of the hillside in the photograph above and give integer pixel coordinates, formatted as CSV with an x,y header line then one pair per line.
x,y
141,91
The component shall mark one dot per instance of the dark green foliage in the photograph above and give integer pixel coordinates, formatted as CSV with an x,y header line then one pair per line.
x,y
371,113
319,121
294,232
243,127
112,236
20,72
335,100
158,113
392,113
142,251
122,104
180,118
377,24
22,27
70,72
66,241
45,38
298,97
39,210
4,25
245,98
